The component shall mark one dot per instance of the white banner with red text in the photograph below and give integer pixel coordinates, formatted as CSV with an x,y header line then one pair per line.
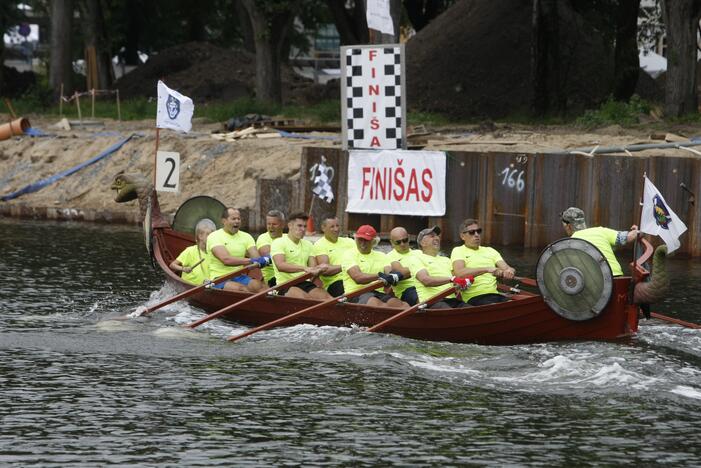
x,y
396,182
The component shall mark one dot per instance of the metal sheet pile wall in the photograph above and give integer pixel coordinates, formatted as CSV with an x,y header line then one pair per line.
x,y
518,197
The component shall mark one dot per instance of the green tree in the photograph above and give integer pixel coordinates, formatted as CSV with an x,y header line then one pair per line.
x,y
271,21
681,18
9,16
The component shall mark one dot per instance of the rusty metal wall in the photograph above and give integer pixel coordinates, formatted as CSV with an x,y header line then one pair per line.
x,y
272,194
518,198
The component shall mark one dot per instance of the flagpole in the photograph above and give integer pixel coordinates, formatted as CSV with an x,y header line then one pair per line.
x,y
155,155
637,235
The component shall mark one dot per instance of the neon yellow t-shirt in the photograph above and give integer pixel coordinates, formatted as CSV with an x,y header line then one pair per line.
x,y
434,266
236,244
189,257
408,260
297,254
602,238
335,251
263,240
371,263
480,257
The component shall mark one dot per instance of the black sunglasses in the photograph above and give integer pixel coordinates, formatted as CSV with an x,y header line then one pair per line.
x,y
472,232
401,241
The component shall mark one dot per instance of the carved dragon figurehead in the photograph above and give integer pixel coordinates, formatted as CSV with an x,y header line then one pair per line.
x,y
655,290
135,186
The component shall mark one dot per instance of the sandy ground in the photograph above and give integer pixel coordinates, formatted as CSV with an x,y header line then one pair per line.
x,y
227,170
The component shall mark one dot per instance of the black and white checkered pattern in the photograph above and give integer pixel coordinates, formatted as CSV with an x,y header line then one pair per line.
x,y
384,90
321,180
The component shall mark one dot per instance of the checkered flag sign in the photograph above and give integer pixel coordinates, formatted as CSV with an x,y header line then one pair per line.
x,y
321,180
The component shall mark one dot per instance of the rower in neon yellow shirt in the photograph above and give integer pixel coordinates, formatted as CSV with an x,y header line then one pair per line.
x,y
229,250
192,262
275,222
407,258
330,249
435,273
363,265
604,239
484,263
292,257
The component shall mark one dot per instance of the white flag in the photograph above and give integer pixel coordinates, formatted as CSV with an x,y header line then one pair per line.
x,y
658,218
378,16
174,110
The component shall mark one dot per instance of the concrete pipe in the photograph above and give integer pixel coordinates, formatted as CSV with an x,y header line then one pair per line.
x,y
16,127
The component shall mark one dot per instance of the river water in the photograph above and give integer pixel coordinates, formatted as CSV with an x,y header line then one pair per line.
x,y
78,388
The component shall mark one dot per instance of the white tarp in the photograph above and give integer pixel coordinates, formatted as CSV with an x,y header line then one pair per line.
x,y
379,17
653,64
174,110
396,182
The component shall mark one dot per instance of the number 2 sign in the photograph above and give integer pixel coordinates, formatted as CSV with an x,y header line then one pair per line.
x,y
167,171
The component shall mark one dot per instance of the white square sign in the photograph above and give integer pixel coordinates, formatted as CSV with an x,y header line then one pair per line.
x,y
167,171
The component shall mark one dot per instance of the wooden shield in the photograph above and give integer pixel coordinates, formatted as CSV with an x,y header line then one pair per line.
x,y
575,279
195,209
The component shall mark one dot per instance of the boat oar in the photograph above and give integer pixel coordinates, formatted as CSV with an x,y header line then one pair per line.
x,y
321,305
412,309
191,291
675,320
526,281
226,309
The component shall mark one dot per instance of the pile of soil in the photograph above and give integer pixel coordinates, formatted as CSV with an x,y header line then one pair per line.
x,y
205,73
16,83
475,60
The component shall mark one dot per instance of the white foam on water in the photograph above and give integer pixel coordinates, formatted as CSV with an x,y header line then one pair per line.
x,y
116,325
615,375
688,392
583,371
556,368
178,333
440,365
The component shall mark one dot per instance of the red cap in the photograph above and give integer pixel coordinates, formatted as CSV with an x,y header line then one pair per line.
x,y
366,232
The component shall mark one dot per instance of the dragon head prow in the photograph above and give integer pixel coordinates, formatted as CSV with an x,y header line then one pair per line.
x,y
129,186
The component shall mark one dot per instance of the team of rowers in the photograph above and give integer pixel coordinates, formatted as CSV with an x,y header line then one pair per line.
x,y
340,265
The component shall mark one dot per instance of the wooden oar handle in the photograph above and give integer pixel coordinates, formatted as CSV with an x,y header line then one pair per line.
x,y
226,309
412,309
526,281
290,317
197,289
675,320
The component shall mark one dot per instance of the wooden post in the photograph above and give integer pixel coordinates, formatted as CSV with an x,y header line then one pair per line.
x,y
119,111
10,108
77,104
92,96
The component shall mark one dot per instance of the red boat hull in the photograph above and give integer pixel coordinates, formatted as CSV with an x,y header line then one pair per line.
x,y
524,319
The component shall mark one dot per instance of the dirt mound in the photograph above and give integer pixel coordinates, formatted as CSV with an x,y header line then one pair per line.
x,y
16,83
475,60
206,72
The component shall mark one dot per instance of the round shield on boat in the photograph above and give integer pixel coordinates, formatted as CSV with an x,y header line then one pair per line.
x,y
195,209
575,279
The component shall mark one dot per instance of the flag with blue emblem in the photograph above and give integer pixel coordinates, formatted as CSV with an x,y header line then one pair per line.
x,y
658,219
174,110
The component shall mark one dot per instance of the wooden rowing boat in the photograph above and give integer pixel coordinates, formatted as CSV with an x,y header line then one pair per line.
x,y
526,318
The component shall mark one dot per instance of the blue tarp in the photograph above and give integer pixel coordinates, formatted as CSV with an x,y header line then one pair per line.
x,y
285,134
35,132
36,186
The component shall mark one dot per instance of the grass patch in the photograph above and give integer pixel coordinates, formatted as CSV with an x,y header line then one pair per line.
x,y
614,112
